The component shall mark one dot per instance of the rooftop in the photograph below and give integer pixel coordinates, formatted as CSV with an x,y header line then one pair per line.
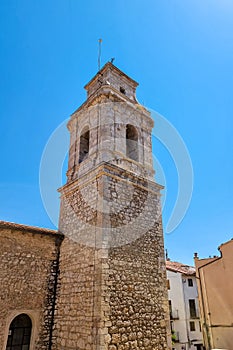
x,y
20,227
181,268
110,67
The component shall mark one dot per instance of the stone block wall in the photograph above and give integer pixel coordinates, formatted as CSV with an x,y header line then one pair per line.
x,y
107,124
138,313
138,304
113,292
28,270
74,306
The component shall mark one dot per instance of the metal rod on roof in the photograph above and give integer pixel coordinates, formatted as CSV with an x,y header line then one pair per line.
x,y
99,54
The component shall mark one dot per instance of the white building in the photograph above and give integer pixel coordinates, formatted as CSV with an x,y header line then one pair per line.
x,y
183,302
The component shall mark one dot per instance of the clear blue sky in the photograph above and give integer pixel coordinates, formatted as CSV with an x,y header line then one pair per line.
x,y
181,53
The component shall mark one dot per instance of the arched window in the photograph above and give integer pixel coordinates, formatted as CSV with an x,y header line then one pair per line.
x,y
131,142
19,333
84,145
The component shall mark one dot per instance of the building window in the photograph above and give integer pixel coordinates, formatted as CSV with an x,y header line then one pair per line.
x,y
84,146
131,142
19,333
168,284
122,90
190,282
170,308
174,314
192,308
192,326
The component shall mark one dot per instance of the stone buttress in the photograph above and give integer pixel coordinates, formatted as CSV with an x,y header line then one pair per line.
x,y
112,288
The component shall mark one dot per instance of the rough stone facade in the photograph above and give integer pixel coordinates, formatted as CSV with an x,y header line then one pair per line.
x,y
28,273
113,293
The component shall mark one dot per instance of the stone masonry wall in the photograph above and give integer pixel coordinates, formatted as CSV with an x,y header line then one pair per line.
x,y
76,316
28,268
113,280
138,295
107,124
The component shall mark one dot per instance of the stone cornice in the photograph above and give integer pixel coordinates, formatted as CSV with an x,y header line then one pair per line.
x,y
114,172
111,95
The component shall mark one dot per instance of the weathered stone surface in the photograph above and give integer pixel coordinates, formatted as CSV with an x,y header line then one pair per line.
x,y
112,270
112,263
28,272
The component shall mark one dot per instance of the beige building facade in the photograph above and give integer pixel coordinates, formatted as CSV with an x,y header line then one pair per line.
x,y
99,283
215,285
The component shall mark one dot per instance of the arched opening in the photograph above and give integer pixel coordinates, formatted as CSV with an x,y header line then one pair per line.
x,y
131,142
19,333
84,146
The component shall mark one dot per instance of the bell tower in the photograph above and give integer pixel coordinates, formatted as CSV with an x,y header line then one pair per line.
x,y
111,126
112,290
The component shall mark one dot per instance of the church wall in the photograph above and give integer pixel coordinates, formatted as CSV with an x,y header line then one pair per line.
x,y
28,268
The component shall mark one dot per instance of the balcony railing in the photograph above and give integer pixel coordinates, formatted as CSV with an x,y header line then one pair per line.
x,y
175,337
194,315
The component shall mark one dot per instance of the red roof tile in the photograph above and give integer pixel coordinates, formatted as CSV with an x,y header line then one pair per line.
x,y
181,268
20,227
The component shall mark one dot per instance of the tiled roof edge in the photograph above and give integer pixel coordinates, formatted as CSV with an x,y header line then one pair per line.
x,y
21,227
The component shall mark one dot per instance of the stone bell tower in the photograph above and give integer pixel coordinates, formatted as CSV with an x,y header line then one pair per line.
x,y
112,290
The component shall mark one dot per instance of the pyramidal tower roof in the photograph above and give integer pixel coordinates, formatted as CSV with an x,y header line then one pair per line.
x,y
110,68
112,77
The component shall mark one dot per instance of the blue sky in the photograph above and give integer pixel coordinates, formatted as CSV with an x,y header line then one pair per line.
x,y
181,53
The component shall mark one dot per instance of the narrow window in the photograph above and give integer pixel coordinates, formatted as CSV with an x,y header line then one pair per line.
x,y
84,146
122,90
190,282
192,308
168,284
170,308
131,142
19,333
192,326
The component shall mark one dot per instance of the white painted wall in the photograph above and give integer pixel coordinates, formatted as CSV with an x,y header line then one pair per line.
x,y
179,294
192,293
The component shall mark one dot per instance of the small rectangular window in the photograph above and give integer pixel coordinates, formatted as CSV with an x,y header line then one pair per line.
x,y
190,282
168,284
192,308
170,308
170,305
192,326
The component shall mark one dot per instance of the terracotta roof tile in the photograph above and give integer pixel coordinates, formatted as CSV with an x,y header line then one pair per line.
x,y
20,227
181,268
